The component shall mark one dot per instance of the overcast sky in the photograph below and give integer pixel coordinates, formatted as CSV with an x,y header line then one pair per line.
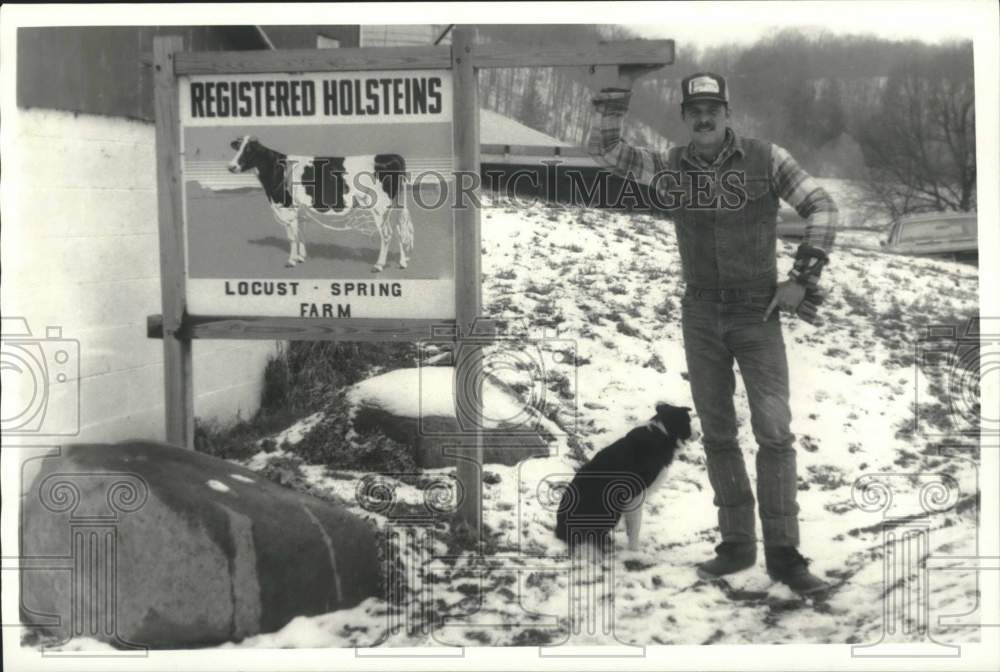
x,y
690,23
744,23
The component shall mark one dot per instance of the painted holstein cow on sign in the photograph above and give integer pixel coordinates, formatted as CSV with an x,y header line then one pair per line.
x,y
314,188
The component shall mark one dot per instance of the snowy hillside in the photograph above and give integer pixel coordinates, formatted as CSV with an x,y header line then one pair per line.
x,y
607,287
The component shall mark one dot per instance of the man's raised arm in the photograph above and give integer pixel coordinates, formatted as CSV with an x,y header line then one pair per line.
x,y
605,142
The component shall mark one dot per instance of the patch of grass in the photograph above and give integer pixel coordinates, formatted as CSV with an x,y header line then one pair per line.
x,y
809,444
618,289
905,429
540,579
367,449
299,380
505,274
532,637
285,470
858,303
656,364
627,330
937,415
502,305
578,449
535,288
237,441
546,307
827,477
667,309
561,384
460,538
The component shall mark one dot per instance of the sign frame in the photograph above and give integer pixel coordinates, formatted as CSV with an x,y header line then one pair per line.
x,y
177,328
171,62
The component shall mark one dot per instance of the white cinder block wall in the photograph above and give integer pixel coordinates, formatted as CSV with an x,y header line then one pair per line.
x,y
80,250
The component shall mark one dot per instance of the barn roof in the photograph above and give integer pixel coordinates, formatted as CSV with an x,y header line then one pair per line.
x,y
508,141
498,129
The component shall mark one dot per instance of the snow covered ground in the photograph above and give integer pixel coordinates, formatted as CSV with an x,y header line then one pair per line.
x,y
606,287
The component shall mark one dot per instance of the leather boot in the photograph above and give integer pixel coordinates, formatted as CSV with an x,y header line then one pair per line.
x,y
729,557
786,565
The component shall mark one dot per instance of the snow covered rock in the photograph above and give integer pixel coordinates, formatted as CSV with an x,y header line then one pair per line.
x,y
417,407
150,545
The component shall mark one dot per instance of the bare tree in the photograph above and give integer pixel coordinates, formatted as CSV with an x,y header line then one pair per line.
x,y
920,145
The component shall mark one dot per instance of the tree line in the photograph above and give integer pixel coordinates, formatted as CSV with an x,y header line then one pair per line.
x,y
898,116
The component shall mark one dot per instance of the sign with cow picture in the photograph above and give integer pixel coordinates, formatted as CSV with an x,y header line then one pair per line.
x,y
322,195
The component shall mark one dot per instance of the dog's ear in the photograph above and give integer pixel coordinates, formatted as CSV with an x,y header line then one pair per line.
x,y
677,419
665,409
235,144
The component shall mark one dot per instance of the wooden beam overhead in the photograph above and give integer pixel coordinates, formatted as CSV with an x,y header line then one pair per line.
x,y
312,60
659,52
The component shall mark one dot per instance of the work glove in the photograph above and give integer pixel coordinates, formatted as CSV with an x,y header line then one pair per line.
x,y
809,263
814,298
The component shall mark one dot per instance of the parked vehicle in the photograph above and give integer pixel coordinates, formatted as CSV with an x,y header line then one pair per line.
x,y
950,235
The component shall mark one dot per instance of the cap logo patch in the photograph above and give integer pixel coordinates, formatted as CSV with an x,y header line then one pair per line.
x,y
703,85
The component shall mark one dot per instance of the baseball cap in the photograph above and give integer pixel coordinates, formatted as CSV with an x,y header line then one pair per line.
x,y
704,86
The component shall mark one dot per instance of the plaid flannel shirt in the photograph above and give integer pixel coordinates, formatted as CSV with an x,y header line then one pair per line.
x,y
789,181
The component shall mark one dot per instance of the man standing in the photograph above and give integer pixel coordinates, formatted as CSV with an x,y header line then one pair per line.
x,y
722,191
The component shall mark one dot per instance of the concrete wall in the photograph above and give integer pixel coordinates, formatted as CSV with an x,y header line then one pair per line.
x,y
105,69
80,250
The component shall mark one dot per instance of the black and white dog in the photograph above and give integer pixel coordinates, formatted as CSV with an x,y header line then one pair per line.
x,y
620,477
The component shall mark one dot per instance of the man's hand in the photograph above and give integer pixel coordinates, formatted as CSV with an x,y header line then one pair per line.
x,y
815,296
787,296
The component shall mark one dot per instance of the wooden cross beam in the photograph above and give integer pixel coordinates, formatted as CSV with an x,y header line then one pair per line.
x,y
464,58
638,52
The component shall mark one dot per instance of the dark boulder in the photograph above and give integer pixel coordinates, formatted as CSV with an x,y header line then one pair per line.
x,y
143,544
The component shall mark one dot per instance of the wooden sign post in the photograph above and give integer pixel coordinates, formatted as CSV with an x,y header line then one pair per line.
x,y
177,367
468,304
229,94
